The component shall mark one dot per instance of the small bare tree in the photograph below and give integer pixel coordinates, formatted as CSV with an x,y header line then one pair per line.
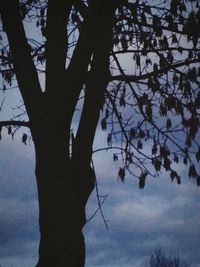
x,y
159,259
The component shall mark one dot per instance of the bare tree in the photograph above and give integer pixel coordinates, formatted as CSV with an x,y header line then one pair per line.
x,y
159,259
79,48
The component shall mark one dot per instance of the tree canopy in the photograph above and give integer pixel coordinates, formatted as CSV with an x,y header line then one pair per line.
x,y
150,107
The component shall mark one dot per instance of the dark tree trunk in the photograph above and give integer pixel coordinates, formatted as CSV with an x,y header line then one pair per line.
x,y
64,181
63,189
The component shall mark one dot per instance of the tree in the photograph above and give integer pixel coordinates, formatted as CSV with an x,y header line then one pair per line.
x,y
159,259
78,48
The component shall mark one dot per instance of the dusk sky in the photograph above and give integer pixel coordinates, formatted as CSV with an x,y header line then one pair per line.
x,y
163,214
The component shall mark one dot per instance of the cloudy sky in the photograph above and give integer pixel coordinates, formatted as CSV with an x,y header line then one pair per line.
x,y
162,215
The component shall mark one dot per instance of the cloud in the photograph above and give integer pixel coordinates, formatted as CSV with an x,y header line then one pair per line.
x,y
17,169
19,233
163,214
19,261
18,220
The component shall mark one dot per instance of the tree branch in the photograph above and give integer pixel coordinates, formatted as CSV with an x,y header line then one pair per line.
x,y
100,203
56,45
154,50
79,63
81,8
142,23
15,123
94,96
159,130
135,78
23,65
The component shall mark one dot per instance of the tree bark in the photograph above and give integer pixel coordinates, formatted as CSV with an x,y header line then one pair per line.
x,y
63,189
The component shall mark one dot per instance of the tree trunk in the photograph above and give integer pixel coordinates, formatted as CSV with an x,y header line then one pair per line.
x,y
63,189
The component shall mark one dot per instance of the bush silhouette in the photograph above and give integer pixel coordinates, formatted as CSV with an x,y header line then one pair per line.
x,y
159,259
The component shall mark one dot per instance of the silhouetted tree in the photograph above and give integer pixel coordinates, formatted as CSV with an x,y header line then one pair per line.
x,y
133,62
159,259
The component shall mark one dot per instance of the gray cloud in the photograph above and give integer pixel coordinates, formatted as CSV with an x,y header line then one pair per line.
x,y
162,215
18,204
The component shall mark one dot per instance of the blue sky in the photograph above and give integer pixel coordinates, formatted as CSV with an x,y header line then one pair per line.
x,y
161,215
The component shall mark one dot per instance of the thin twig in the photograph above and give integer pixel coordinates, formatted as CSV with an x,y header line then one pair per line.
x,y
98,198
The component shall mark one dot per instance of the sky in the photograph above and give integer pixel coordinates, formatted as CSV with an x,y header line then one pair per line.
x,y
162,214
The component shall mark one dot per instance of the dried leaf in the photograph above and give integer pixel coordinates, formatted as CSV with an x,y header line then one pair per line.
x,y
9,130
142,179
198,180
24,138
167,164
109,139
103,124
198,155
132,133
176,159
192,171
121,174
115,157
139,144
168,124
154,149
173,175
157,164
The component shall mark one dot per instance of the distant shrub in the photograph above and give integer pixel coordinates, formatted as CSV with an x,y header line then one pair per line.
x,y
159,259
